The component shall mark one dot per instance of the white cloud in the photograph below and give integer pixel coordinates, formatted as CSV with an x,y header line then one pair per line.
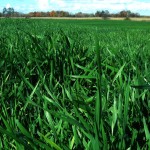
x,y
60,3
137,6
111,5
87,6
47,5
8,5
43,4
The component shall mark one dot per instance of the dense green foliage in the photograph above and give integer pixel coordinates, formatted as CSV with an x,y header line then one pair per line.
x,y
74,84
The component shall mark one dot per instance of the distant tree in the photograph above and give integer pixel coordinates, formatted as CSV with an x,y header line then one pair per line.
x,y
30,14
98,14
104,14
52,13
8,12
1,14
124,13
44,14
134,15
127,14
79,14
38,14
17,14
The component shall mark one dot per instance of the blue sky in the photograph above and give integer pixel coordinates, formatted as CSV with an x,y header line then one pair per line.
x,y
90,6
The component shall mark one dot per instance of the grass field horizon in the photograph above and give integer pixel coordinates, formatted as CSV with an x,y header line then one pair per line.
x,y
74,84
142,18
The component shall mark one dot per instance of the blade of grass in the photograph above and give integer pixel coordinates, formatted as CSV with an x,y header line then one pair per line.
x,y
119,73
51,143
147,133
98,106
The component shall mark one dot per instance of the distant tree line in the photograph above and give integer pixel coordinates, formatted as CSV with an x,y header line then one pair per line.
x,y
10,12
102,13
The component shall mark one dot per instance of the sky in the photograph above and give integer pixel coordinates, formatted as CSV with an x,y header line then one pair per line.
x,y
74,6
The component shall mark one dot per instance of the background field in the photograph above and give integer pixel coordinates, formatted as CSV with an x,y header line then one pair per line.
x,y
74,84
95,18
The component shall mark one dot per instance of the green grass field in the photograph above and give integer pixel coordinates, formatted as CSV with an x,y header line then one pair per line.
x,y
74,85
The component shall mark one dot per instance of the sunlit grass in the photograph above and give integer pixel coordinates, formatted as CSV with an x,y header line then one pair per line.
x,y
74,84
